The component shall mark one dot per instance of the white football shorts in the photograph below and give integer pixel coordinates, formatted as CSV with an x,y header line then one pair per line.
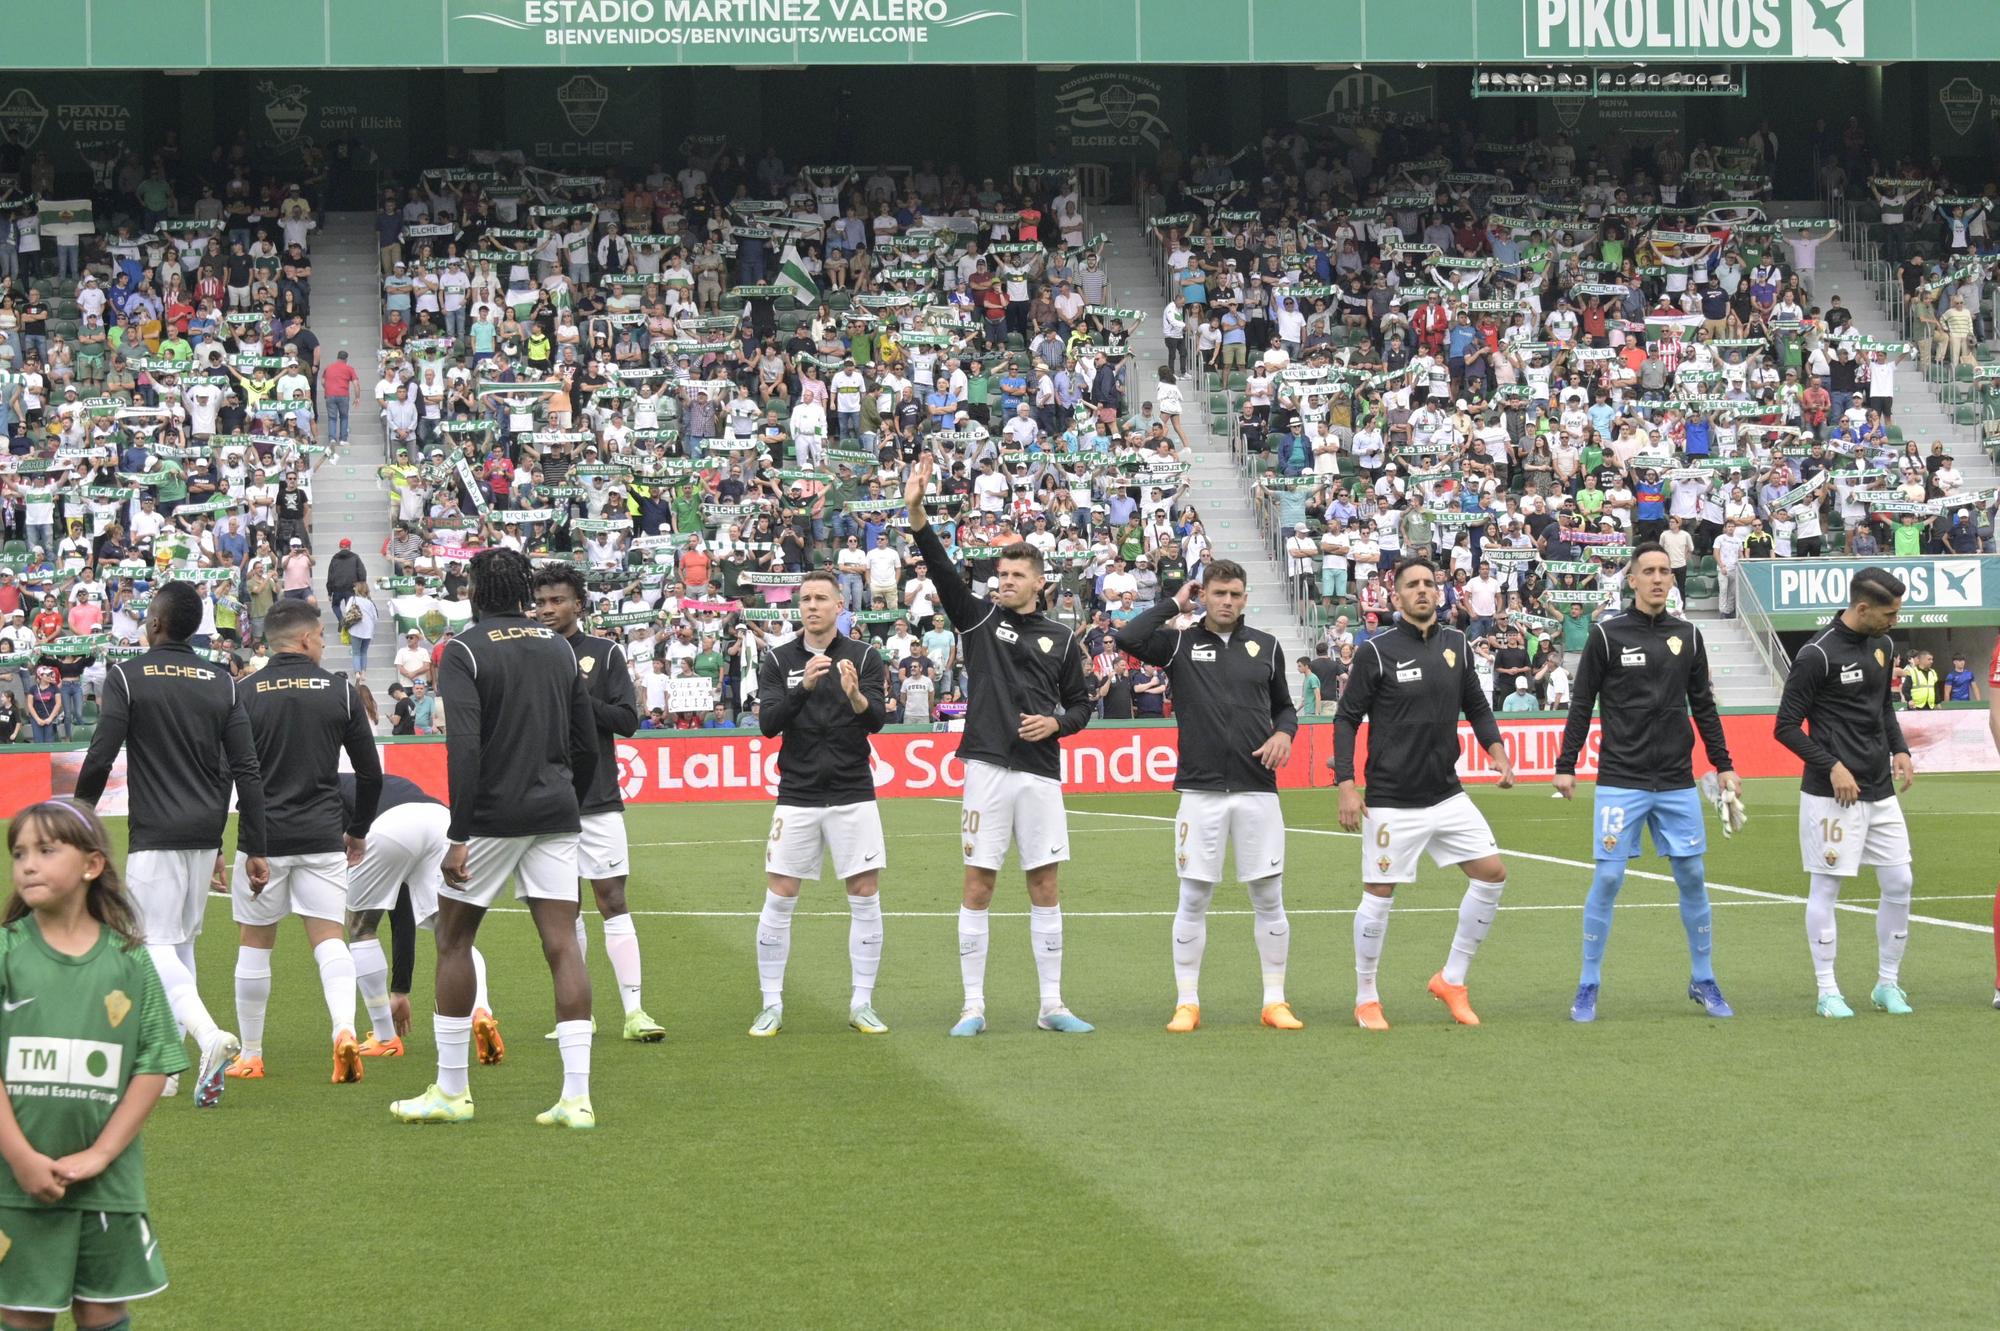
x,y
1453,832
406,844
1003,806
802,836
314,885
1837,841
601,851
1207,822
169,891
543,867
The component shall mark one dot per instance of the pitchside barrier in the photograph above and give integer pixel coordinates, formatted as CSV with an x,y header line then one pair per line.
x,y
1122,757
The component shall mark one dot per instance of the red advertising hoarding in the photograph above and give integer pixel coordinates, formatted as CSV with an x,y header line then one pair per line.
x,y
708,766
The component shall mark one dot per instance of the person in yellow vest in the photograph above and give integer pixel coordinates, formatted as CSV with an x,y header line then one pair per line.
x,y
1921,683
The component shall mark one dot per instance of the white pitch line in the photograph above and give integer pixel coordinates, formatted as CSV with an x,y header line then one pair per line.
x,y
1629,873
893,836
1124,914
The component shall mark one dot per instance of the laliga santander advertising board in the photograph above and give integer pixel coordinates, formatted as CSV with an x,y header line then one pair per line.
x,y
703,766
695,767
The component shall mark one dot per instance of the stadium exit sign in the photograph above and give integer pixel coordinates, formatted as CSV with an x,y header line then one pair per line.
x,y
1744,29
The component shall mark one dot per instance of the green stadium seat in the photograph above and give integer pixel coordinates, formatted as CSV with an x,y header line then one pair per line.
x,y
1238,380
1968,414
82,733
1895,434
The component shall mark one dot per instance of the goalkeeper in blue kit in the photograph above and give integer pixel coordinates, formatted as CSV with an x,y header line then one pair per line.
x,y
88,1043
1650,669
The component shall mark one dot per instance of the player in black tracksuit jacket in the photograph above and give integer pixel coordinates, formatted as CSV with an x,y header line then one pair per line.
x,y
826,757
520,754
302,716
1838,714
1645,672
1226,712
1839,711
187,740
1410,683
1028,690
1644,741
603,855
1233,706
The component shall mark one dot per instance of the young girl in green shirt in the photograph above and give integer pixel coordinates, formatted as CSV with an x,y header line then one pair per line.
x,y
89,1043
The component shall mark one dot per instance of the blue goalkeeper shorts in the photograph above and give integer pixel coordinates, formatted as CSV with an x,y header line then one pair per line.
x,y
1674,817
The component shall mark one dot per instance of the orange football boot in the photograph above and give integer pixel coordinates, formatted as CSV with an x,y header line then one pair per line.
x,y
1454,997
486,1037
1279,1017
346,1059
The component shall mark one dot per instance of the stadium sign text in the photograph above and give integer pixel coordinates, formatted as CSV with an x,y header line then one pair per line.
x,y
1770,29
1804,593
671,23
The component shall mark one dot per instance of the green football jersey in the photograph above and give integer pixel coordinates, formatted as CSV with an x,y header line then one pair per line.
x,y
75,1031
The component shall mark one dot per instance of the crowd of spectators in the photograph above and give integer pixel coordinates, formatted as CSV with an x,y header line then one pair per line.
x,y
698,384
165,406
1522,359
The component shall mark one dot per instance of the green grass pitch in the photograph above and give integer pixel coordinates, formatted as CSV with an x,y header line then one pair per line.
x,y
1656,1170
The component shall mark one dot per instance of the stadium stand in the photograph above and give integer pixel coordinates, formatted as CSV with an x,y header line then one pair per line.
x,y
1373,339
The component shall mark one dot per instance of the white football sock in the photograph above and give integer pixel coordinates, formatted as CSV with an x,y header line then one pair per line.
x,y
972,936
1191,938
573,1040
454,1042
371,977
1045,936
177,979
1274,934
336,981
1821,932
1371,930
774,946
582,938
621,944
253,997
1476,910
1892,919
481,1002
864,946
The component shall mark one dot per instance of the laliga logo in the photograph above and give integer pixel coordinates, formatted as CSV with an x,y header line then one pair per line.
x,y
631,772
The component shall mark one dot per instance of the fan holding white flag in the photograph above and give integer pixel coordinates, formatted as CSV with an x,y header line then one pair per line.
x,y
794,279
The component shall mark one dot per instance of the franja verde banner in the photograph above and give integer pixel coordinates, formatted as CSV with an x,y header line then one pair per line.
x,y
303,35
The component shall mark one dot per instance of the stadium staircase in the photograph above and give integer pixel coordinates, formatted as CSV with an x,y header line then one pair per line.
x,y
1933,404
348,500
1221,487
